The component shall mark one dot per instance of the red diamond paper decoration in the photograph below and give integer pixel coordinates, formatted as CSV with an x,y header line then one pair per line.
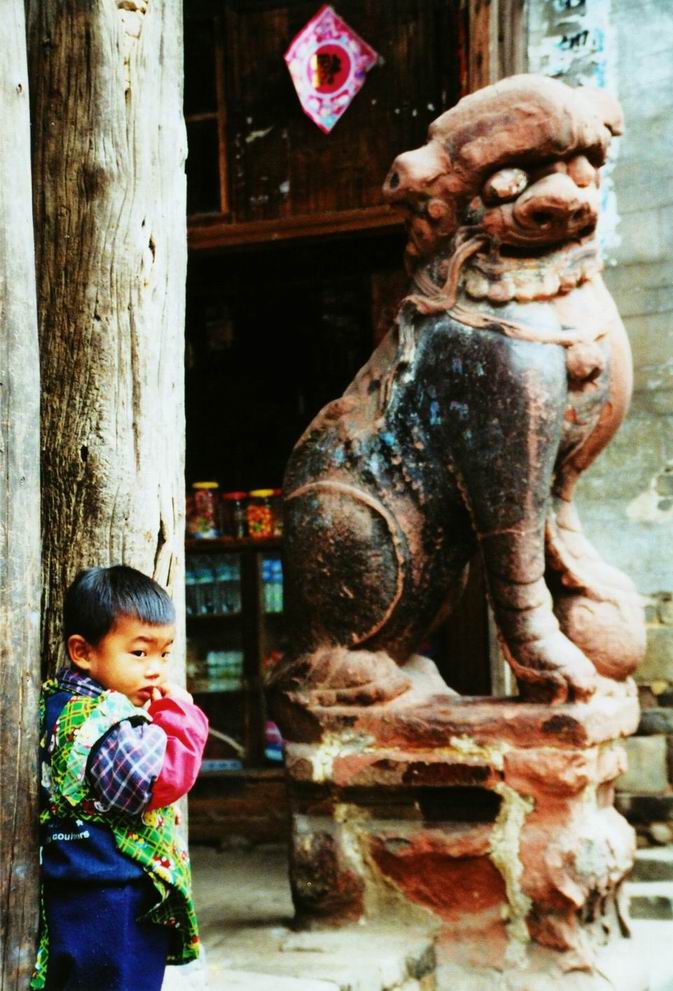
x,y
328,62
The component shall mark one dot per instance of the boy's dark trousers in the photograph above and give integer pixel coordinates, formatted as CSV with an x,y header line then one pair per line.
x,y
95,940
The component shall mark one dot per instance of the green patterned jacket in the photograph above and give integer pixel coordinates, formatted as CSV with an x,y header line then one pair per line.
x,y
150,839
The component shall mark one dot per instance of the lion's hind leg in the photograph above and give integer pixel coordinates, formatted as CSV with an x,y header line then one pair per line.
x,y
345,563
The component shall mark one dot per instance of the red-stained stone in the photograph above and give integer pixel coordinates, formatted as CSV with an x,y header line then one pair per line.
x,y
395,768
553,928
459,841
571,861
453,887
549,772
560,773
412,723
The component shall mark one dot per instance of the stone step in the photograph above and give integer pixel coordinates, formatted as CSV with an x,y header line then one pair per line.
x,y
653,864
246,980
652,944
650,899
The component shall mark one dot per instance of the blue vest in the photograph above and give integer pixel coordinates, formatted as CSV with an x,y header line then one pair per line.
x,y
72,849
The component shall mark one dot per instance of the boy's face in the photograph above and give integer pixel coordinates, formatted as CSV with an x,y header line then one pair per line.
x,y
132,658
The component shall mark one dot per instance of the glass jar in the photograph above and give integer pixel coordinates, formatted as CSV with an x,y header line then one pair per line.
x,y
202,510
259,513
234,519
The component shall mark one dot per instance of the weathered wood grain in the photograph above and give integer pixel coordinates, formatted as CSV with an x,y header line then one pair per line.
x,y
19,518
109,192
496,40
278,165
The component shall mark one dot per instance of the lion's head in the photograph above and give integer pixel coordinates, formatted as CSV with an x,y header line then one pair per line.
x,y
515,165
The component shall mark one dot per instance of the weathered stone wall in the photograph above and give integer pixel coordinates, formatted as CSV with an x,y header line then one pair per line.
x,y
626,499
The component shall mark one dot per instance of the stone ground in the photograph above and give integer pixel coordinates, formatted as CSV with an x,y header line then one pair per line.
x,y
245,911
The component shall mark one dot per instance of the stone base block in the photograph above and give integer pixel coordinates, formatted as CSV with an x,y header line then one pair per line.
x,y
489,822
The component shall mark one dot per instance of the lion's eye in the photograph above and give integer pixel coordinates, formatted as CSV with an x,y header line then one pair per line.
x,y
503,185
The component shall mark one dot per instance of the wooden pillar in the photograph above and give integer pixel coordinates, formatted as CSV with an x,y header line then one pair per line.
x,y
19,518
496,31
109,192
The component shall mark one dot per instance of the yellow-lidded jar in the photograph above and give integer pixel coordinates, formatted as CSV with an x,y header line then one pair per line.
x,y
260,513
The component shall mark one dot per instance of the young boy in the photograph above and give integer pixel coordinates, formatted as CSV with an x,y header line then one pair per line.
x,y
119,744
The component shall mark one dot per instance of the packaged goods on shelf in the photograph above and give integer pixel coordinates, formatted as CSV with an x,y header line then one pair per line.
x,y
199,585
273,742
270,662
272,583
213,584
227,568
211,764
225,670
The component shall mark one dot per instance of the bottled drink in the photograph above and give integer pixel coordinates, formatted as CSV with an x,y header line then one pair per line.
x,y
234,518
190,588
204,586
277,585
267,588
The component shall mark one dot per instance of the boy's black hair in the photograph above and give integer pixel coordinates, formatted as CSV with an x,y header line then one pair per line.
x,y
99,596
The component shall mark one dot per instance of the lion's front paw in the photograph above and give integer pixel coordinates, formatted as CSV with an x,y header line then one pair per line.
x,y
338,676
611,631
552,669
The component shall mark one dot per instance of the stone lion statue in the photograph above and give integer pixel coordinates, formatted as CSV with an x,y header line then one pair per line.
x,y
506,372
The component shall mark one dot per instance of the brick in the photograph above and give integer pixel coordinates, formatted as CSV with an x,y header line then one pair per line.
x,y
653,865
658,719
651,899
645,808
666,603
661,832
647,698
647,772
658,662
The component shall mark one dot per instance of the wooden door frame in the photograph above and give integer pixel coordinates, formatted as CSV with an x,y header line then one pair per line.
x,y
496,40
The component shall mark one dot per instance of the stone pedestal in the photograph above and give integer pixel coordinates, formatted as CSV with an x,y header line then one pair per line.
x,y
487,821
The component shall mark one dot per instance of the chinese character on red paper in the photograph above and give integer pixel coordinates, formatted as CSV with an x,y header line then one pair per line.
x,y
328,62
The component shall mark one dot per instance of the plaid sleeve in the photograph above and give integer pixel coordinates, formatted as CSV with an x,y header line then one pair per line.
x,y
125,764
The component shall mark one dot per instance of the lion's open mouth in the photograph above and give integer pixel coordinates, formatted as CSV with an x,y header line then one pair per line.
x,y
505,272
543,250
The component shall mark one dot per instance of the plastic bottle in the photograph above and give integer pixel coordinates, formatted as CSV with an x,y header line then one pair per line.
x,y
234,517
234,583
277,572
190,586
267,579
204,585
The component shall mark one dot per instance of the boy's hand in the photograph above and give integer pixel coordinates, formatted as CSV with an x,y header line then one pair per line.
x,y
170,690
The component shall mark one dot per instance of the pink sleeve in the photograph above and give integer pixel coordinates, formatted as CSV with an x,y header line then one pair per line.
x,y
186,728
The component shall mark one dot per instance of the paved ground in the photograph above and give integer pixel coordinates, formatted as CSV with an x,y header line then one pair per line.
x,y
244,908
